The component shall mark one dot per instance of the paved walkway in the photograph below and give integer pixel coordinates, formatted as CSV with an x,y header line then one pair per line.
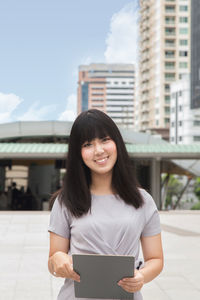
x,y
24,254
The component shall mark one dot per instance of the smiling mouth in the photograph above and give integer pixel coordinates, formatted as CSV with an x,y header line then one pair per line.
x,y
102,160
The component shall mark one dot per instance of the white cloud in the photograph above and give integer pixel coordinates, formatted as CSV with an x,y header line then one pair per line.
x,y
70,113
37,113
8,104
122,38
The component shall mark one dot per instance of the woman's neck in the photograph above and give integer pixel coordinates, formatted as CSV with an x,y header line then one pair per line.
x,y
101,184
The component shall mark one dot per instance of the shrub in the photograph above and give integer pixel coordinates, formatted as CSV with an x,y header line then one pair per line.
x,y
196,206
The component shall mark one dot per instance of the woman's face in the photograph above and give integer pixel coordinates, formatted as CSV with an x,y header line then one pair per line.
x,y
99,155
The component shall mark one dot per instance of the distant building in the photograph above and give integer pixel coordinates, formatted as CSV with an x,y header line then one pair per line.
x,y
110,88
195,54
185,122
164,58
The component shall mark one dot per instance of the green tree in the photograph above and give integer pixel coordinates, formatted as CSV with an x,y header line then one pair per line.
x,y
174,188
197,193
197,187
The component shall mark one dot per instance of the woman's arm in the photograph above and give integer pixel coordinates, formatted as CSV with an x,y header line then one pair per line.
x,y
60,263
153,257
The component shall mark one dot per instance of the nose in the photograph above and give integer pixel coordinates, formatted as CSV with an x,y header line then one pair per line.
x,y
99,148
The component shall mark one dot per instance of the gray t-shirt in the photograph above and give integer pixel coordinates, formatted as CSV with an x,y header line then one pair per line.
x,y
112,227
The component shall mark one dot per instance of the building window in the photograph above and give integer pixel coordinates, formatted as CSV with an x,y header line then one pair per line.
x,y
172,139
172,124
170,31
180,107
167,110
180,138
97,94
196,123
183,30
167,99
169,65
183,53
173,109
157,122
169,20
180,93
157,111
169,76
169,54
196,138
167,88
169,8
169,43
183,42
183,19
183,8
180,123
167,121
183,65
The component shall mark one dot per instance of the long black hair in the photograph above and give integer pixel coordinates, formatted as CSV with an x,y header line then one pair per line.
x,y
75,192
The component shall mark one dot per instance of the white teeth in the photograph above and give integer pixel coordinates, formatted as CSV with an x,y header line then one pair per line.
x,y
101,160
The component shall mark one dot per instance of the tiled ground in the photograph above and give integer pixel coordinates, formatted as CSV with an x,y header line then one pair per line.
x,y
24,254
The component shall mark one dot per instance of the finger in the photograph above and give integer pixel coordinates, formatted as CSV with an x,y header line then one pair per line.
x,y
130,288
131,280
130,285
72,274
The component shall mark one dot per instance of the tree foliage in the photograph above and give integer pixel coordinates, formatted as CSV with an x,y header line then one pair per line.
x,y
197,187
174,189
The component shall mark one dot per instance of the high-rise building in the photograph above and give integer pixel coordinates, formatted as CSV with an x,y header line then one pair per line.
x,y
164,57
185,122
195,54
110,88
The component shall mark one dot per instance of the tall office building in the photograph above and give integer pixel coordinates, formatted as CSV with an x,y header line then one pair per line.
x,y
110,88
185,122
195,54
164,57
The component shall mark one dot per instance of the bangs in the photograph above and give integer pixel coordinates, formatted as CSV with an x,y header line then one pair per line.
x,y
93,129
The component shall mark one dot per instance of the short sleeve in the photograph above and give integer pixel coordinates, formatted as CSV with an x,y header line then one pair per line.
x,y
152,219
59,220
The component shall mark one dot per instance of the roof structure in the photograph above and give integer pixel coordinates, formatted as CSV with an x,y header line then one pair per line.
x,y
40,150
23,129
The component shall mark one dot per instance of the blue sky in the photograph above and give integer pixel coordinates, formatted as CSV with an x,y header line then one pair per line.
x,y
42,43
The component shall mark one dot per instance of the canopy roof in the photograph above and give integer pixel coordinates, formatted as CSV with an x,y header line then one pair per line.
x,y
42,150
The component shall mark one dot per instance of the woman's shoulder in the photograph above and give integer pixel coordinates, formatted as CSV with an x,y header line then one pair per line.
x,y
144,193
148,199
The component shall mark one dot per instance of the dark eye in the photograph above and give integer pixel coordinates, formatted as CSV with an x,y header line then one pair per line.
x,y
105,139
86,145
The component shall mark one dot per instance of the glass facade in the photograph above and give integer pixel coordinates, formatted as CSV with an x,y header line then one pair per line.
x,y
84,90
195,57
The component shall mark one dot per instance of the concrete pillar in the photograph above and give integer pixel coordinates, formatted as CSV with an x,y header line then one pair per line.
x,y
43,181
2,178
156,181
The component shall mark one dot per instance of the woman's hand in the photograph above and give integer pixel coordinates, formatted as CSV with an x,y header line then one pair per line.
x,y
61,265
132,284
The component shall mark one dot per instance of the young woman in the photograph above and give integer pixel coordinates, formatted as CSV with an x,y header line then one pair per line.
x,y
100,209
